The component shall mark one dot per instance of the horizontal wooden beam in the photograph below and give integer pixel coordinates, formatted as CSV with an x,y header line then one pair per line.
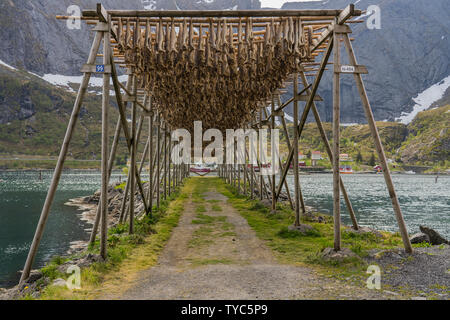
x,y
350,69
224,13
347,13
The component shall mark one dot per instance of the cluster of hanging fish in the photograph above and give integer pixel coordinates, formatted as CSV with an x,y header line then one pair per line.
x,y
207,72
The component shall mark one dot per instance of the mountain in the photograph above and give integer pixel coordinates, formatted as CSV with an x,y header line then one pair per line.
x,y
32,39
202,4
425,141
408,63
34,116
410,53
429,137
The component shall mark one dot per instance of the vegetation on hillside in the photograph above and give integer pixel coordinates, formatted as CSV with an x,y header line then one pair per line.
x,y
40,113
425,141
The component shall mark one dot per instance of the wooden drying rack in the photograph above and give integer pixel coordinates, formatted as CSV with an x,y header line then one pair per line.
x,y
330,29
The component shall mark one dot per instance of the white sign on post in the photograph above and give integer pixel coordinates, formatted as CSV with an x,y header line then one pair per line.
x,y
347,69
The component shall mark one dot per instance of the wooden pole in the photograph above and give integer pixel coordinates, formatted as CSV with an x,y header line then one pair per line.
x,y
150,161
379,148
295,164
306,111
336,149
60,163
169,162
124,209
158,160
330,155
123,117
261,179
272,153
105,142
133,155
222,13
245,168
112,156
283,122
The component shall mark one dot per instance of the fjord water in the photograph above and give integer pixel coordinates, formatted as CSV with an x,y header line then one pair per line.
x,y
22,195
422,200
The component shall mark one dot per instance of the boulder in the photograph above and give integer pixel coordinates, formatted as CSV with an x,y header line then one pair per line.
x,y
419,238
35,275
435,237
266,203
59,282
329,254
302,228
363,230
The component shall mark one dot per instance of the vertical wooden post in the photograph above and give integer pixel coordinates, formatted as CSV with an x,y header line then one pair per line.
x,y
306,110
165,161
105,142
272,153
133,155
379,148
330,155
110,166
245,168
261,178
169,149
60,163
336,149
158,160
150,162
295,162
238,166
233,166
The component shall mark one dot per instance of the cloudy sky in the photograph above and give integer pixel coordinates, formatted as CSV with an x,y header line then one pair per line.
x,y
278,3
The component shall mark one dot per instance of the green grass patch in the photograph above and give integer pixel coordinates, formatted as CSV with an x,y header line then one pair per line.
x,y
296,248
200,209
130,252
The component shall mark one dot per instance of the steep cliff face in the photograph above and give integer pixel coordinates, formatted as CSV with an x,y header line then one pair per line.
x,y
203,4
410,53
34,40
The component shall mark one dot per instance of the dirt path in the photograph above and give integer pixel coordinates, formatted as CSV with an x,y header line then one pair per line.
x,y
214,254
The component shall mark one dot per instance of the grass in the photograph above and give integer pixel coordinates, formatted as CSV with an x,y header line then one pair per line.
x,y
305,249
127,254
211,227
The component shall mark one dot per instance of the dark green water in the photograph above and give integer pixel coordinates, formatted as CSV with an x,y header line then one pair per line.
x,y
22,195
423,202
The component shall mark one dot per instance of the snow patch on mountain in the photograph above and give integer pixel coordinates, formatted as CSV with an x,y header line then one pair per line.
x,y
277,4
425,99
66,81
7,65
149,4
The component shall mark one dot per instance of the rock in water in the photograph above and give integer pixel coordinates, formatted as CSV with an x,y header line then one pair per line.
x,y
435,237
419,238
